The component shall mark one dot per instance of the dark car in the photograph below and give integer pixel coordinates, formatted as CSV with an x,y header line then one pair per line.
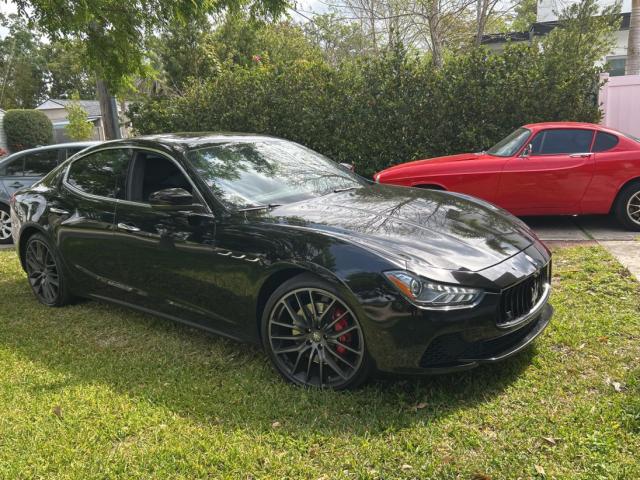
x,y
263,240
25,168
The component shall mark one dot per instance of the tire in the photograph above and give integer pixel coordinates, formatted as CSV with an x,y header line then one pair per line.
x,y
627,206
44,272
317,343
5,226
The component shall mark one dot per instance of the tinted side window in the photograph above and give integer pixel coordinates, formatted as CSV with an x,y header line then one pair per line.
x,y
101,173
15,168
604,141
38,164
563,141
152,172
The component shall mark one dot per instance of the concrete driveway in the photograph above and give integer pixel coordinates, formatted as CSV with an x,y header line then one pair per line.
x,y
624,245
604,230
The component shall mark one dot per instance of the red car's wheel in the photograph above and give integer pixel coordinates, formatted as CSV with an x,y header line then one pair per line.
x,y
627,206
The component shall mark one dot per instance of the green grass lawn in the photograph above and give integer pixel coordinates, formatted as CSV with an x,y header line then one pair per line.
x,y
96,391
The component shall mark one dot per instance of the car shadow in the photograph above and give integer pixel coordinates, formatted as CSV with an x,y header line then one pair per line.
x,y
213,380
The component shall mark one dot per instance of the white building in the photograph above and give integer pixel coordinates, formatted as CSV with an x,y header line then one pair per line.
x,y
547,20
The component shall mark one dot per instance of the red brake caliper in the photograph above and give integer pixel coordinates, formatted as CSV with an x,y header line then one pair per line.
x,y
338,327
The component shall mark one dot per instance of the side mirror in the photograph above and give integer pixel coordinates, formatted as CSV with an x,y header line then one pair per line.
x,y
527,151
349,166
171,197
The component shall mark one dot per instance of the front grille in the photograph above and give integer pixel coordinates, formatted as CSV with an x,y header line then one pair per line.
x,y
450,349
519,299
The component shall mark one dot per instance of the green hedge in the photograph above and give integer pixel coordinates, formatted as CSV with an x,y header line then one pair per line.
x,y
380,111
27,129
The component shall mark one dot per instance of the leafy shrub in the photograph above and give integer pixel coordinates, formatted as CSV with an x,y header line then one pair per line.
x,y
27,129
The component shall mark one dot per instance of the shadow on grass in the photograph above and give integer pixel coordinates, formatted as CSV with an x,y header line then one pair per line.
x,y
217,381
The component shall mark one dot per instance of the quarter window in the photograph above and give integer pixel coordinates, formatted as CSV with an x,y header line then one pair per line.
x,y
561,142
102,173
604,141
38,164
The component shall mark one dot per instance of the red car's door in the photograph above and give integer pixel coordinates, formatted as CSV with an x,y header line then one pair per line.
x,y
551,175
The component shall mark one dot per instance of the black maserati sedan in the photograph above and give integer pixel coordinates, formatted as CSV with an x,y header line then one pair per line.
x,y
263,240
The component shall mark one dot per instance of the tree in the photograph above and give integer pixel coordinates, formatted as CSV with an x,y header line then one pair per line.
x,y
114,32
22,66
185,50
67,70
78,127
633,51
525,15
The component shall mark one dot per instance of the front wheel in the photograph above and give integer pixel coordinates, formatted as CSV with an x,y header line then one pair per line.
x,y
313,337
627,206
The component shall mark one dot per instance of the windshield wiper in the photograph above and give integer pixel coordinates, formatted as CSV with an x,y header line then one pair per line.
x,y
260,207
345,189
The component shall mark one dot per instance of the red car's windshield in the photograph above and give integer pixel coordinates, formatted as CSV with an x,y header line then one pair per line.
x,y
509,145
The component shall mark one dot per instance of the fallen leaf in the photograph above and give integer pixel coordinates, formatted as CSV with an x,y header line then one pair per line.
x,y
550,440
406,466
617,386
540,470
57,411
480,476
275,425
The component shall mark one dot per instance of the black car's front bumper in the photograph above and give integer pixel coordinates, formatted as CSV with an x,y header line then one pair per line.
x,y
403,338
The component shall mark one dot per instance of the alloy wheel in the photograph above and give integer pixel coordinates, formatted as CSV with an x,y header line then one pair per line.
x,y
5,225
633,208
315,338
42,271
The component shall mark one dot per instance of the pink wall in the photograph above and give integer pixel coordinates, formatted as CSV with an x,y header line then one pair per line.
x,y
620,103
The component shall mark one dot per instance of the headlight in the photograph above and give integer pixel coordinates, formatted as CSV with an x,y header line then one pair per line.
x,y
427,293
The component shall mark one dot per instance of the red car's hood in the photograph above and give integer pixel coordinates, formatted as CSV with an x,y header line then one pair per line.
x,y
448,159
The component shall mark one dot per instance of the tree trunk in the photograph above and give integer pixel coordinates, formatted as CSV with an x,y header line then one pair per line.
x,y
633,51
108,111
482,7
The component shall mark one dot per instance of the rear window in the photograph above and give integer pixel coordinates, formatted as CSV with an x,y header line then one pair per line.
x,y
604,141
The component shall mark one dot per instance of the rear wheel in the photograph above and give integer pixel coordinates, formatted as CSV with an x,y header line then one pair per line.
x,y
44,272
627,206
312,335
5,225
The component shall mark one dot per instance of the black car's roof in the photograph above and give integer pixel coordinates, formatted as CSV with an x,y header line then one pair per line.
x,y
195,140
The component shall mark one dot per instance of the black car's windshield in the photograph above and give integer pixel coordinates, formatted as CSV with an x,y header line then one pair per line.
x,y
268,172
510,145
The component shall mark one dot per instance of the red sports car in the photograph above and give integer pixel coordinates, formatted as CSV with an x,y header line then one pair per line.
x,y
560,168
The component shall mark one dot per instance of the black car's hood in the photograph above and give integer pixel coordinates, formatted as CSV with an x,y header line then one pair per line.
x,y
439,229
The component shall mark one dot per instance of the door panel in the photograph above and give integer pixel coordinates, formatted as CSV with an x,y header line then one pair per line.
x,y
167,257
553,178
168,263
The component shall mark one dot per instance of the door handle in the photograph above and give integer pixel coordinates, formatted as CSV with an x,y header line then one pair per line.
x,y
580,155
128,228
16,185
59,211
